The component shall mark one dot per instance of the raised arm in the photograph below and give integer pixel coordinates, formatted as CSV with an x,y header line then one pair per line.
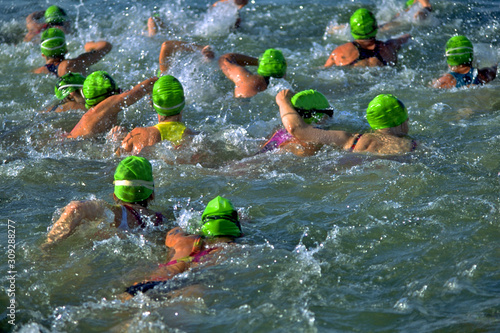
x,y
488,74
396,43
102,117
94,51
233,65
33,25
73,215
296,126
170,47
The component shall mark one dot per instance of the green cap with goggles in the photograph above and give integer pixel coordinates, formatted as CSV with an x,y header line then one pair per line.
x,y
97,87
67,84
53,43
272,63
133,179
55,15
220,218
311,105
386,111
363,24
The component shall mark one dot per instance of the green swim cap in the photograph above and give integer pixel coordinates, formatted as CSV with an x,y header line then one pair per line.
x,y
363,24
386,111
409,3
459,51
134,179
311,105
55,15
272,63
97,87
220,218
68,83
53,43
168,96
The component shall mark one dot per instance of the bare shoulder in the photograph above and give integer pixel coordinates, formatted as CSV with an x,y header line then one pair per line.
x,y
345,54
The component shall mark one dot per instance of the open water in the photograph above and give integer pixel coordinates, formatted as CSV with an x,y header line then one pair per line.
x,y
337,242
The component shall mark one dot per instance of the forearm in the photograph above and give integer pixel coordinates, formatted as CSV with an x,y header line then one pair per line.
x,y
240,59
136,93
74,213
100,46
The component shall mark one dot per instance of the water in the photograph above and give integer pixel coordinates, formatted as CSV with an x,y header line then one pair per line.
x,y
334,242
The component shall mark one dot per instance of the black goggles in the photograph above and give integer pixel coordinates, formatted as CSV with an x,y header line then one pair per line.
x,y
310,113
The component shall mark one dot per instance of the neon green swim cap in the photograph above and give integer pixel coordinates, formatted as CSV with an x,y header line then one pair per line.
x,y
97,87
55,15
133,179
459,51
386,111
168,96
307,102
363,24
53,43
220,218
272,63
68,83
409,3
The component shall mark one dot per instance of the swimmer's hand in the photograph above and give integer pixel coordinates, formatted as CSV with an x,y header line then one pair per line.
x,y
207,52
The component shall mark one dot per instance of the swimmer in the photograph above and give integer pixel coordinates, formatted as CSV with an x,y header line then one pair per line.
x,y
220,226
168,101
313,107
366,50
386,115
239,4
54,16
155,25
422,12
133,191
68,92
104,100
459,55
53,46
271,63
171,47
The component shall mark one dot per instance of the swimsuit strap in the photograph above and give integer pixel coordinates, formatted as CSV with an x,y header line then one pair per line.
x,y
52,69
414,145
137,216
124,223
355,142
365,53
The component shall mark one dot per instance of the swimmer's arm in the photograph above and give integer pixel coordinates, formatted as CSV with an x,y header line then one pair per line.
x,y
296,126
446,81
127,98
73,215
342,55
233,66
488,74
94,51
397,42
139,138
170,47
425,4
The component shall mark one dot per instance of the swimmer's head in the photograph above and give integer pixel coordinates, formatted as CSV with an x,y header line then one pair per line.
x,y
459,51
363,24
97,87
133,179
68,83
311,105
272,63
55,15
168,96
220,218
386,111
53,43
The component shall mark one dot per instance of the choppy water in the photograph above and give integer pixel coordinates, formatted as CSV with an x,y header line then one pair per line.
x,y
334,242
